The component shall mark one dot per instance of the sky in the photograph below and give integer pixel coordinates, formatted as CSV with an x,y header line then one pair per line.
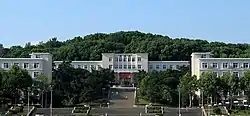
x,y
23,21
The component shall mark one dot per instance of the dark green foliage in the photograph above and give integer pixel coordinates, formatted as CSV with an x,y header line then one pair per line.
x,y
217,110
13,81
81,109
159,87
75,86
159,47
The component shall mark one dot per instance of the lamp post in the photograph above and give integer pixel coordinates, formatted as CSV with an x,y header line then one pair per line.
x,y
179,100
28,99
51,109
202,100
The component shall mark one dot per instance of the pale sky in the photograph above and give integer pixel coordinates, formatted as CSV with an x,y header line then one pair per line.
x,y
24,21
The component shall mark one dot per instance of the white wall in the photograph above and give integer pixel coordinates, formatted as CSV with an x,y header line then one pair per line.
x,y
44,64
164,65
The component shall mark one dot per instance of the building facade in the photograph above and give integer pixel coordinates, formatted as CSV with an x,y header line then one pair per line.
x,y
204,62
38,63
126,64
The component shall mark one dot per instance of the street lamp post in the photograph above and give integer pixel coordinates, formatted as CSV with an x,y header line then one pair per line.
x,y
179,100
28,99
202,100
51,110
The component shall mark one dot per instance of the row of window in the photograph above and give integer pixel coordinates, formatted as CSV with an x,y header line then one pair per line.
x,y
163,67
125,67
125,59
25,65
86,66
237,74
226,65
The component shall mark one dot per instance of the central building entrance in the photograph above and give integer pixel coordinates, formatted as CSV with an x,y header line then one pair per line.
x,y
126,79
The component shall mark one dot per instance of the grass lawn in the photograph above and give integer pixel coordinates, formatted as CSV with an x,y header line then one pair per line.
x,y
240,113
211,111
143,101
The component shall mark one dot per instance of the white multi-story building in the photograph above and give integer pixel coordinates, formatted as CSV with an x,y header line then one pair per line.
x,y
204,62
39,63
124,65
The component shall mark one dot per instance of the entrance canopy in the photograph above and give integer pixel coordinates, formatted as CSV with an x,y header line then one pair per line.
x,y
126,75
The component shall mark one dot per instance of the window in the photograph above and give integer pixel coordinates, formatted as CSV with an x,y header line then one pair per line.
x,y
36,65
120,58
245,65
235,65
150,66
204,65
157,66
35,74
116,59
164,66
129,66
133,66
120,66
26,65
203,56
116,67
85,66
217,74
38,56
16,64
171,66
79,66
92,66
110,59
215,65
236,74
225,65
139,59
99,66
133,59
125,66
139,66
6,65
177,66
110,66
129,58
124,58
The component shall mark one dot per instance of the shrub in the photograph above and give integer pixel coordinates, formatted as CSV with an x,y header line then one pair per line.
x,y
217,110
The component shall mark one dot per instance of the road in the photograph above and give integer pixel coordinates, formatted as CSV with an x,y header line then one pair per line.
x,y
117,98
56,111
119,111
184,112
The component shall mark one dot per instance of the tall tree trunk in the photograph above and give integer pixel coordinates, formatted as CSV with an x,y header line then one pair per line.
x,y
190,100
231,99
46,101
42,100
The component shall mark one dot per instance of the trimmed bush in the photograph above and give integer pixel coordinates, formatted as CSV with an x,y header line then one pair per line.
x,y
217,110
81,109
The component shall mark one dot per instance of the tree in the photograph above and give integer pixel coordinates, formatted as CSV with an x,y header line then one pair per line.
x,y
159,47
43,83
230,83
188,86
159,87
209,83
14,81
82,86
245,83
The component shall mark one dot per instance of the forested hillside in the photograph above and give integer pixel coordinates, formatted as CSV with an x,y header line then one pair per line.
x,y
159,47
